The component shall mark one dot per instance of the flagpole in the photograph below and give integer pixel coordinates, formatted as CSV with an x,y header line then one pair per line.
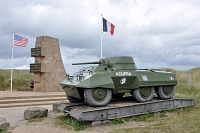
x,y
12,64
101,32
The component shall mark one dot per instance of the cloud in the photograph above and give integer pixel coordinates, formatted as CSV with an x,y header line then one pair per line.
x,y
156,33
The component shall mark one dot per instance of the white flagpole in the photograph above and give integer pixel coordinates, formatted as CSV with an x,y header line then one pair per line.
x,y
101,32
12,64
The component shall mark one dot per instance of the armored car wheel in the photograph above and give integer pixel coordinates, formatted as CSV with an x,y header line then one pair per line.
x,y
143,94
97,96
165,92
73,99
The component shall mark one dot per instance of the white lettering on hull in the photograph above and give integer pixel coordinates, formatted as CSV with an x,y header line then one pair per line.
x,y
123,73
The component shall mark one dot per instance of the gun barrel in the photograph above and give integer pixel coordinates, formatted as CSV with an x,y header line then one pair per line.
x,y
94,62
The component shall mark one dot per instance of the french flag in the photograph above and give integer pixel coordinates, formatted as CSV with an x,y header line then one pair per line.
x,y
108,27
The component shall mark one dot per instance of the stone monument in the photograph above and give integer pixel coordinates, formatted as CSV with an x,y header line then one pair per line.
x,y
48,67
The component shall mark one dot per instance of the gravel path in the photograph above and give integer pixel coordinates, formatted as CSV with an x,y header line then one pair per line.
x,y
27,93
15,115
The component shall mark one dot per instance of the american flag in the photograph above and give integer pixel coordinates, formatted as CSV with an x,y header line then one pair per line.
x,y
20,40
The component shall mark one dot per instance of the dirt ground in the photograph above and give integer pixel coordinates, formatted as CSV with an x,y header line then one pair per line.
x,y
47,125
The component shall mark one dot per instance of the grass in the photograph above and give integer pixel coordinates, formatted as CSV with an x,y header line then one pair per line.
x,y
182,120
117,121
20,81
4,131
68,122
35,120
144,117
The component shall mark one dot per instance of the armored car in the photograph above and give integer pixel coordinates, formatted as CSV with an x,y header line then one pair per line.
x,y
112,77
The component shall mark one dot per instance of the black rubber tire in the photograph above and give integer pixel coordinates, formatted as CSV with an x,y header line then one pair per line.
x,y
91,101
160,93
119,95
137,96
73,99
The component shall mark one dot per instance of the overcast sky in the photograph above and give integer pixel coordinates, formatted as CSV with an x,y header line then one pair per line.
x,y
157,33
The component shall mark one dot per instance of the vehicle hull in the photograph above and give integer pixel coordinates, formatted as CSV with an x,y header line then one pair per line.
x,y
109,80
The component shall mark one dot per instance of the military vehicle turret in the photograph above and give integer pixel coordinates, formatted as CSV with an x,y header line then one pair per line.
x,y
115,76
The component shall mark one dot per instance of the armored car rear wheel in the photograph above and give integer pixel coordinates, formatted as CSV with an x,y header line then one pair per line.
x,y
143,94
73,99
97,96
165,92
